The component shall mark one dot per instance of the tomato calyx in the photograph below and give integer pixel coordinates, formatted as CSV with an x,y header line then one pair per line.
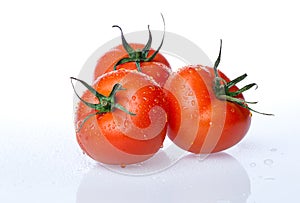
x,y
222,88
106,103
139,56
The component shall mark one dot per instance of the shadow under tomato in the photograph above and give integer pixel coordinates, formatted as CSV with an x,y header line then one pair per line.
x,y
217,178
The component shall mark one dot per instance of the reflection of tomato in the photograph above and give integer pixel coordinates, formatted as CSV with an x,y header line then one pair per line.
x,y
198,121
158,68
129,126
219,170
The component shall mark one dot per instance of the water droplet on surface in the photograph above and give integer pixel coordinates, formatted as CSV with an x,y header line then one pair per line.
x,y
268,162
232,110
253,164
156,100
269,178
273,150
145,136
210,123
139,164
133,98
145,98
193,102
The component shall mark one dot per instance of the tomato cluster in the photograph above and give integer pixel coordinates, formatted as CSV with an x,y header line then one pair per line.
x,y
136,100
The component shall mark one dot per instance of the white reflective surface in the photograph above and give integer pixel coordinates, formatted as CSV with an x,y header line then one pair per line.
x,y
216,179
44,164
43,43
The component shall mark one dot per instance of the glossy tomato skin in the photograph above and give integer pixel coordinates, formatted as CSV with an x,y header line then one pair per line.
x,y
158,71
117,137
198,121
107,62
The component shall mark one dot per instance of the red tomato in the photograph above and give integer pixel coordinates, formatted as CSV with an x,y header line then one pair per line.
x,y
199,122
207,111
134,56
158,68
130,127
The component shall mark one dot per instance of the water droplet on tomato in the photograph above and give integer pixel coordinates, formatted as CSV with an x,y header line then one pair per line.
x,y
145,136
79,124
194,115
156,100
153,109
126,122
133,98
190,93
92,127
268,162
152,88
232,110
145,98
184,108
210,123
193,102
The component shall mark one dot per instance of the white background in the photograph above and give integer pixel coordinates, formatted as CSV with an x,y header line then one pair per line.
x,y
43,43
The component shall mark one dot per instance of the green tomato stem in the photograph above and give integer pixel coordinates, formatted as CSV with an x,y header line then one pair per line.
x,y
222,88
105,105
139,56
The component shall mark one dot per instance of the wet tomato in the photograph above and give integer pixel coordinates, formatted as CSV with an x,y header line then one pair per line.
x,y
135,56
121,119
207,111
